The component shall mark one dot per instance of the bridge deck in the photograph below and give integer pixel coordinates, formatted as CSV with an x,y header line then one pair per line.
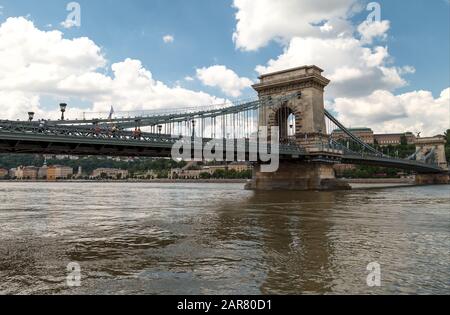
x,y
155,145
416,166
96,137
148,145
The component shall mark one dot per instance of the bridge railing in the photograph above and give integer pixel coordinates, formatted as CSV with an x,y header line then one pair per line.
x,y
152,118
115,129
80,132
110,136
146,114
365,150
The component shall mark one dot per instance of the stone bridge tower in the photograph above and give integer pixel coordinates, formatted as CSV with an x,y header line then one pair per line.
x,y
300,120
425,146
436,144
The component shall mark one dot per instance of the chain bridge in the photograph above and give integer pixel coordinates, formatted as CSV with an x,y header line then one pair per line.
x,y
290,100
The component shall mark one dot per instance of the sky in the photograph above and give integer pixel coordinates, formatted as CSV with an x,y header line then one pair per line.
x,y
388,62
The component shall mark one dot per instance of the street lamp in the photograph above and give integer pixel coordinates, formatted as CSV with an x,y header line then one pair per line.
x,y
30,116
193,128
160,129
63,107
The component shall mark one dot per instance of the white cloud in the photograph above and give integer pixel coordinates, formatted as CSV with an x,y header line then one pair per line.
x,y
16,105
68,24
227,80
35,63
326,28
189,78
35,60
407,70
363,74
259,22
355,70
322,34
133,87
346,73
168,39
370,30
416,111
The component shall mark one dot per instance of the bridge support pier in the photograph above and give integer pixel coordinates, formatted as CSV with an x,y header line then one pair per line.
x,y
296,175
432,179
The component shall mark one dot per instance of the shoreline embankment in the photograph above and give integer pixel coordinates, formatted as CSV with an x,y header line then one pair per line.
x,y
409,181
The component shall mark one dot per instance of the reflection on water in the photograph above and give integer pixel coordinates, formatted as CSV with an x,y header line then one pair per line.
x,y
220,239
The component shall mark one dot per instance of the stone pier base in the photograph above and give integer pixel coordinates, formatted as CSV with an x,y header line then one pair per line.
x,y
432,179
299,176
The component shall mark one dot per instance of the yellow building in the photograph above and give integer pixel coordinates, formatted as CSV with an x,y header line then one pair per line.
x,y
59,172
365,134
196,173
239,167
368,136
27,172
3,172
395,138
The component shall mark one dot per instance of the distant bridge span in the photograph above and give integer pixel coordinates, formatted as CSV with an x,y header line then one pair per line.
x,y
291,100
58,139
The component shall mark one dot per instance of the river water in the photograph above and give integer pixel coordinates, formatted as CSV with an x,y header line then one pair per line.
x,y
219,239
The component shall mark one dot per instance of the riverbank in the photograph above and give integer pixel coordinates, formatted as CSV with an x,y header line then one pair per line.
x,y
153,181
408,181
380,183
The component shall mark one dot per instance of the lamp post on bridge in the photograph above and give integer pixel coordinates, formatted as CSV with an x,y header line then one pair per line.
x,y
193,128
30,116
62,107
